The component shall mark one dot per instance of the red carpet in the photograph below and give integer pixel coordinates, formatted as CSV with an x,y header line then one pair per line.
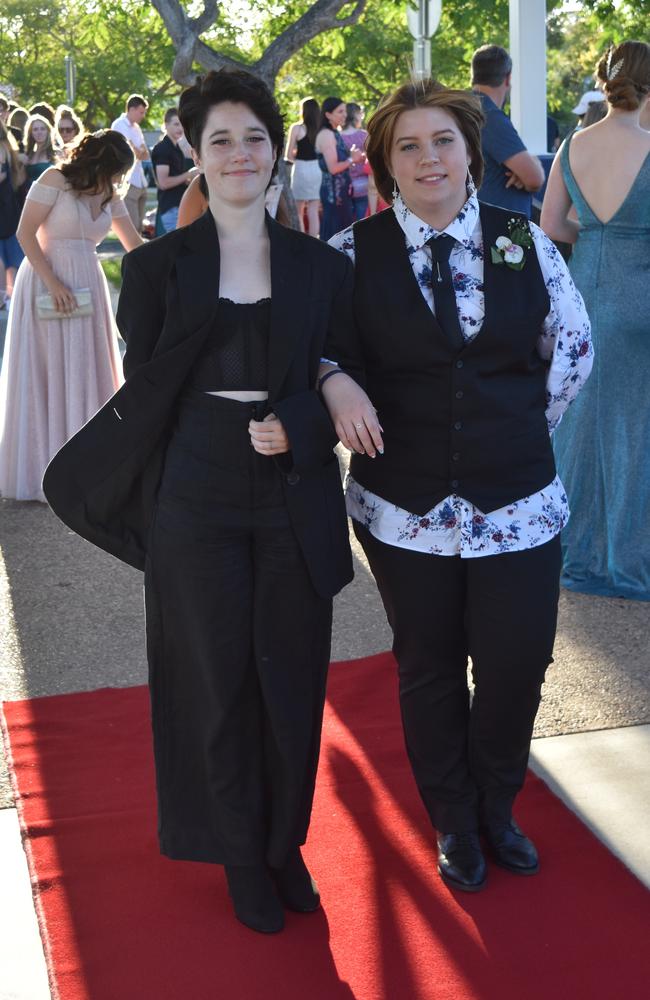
x,y
122,923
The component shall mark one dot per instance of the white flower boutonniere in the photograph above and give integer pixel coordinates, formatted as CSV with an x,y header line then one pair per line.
x,y
511,250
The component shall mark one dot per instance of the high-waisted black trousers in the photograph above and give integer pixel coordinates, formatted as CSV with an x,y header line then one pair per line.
x,y
469,760
238,645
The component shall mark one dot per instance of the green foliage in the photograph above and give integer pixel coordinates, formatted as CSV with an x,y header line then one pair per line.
x,y
112,268
577,40
119,46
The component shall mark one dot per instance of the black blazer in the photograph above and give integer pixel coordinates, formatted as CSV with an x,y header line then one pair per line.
x,y
103,483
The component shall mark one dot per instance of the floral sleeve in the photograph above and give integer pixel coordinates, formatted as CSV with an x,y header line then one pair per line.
x,y
344,241
565,340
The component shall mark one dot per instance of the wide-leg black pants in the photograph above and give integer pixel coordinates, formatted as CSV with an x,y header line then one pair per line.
x,y
469,760
238,645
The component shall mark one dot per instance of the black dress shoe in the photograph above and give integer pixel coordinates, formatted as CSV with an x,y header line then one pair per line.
x,y
460,861
254,898
512,849
297,888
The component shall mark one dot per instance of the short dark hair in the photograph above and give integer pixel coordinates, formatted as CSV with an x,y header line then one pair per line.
x,y
169,114
136,101
464,108
490,66
239,87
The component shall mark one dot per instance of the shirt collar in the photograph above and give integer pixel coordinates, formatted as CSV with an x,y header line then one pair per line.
x,y
418,232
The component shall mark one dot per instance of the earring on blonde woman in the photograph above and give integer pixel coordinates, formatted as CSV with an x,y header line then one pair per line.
x,y
395,189
471,186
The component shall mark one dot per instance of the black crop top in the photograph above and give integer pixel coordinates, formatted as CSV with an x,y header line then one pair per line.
x,y
235,354
305,149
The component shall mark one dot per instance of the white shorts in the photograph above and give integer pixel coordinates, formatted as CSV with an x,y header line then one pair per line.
x,y
306,178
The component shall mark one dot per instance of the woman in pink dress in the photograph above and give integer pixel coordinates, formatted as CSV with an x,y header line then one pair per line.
x,y
57,372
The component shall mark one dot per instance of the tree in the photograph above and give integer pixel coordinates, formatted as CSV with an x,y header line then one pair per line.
x,y
185,31
119,46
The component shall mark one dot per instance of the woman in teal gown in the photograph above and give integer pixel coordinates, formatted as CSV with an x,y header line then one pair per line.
x,y
602,446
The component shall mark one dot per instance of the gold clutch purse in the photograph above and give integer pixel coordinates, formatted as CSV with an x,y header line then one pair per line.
x,y
45,308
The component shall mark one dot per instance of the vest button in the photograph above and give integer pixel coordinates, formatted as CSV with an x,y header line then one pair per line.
x,y
460,394
293,478
454,484
460,364
458,425
455,456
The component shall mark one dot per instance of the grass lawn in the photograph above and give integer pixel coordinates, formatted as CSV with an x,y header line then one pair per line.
x,y
112,268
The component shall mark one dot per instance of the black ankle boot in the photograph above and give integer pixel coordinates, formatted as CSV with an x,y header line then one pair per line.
x,y
254,898
297,888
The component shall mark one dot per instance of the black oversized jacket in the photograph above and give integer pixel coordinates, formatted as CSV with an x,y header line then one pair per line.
x,y
103,482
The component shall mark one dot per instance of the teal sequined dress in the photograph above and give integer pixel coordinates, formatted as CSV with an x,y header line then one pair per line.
x,y
602,446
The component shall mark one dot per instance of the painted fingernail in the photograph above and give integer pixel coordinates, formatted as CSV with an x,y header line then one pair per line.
x,y
380,450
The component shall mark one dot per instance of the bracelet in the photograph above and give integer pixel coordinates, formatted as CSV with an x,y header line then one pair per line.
x,y
323,379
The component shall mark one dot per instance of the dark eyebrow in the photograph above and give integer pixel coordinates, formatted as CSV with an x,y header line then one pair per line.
x,y
226,131
410,138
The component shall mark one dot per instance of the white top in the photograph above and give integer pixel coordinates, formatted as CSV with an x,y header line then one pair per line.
x,y
455,526
133,133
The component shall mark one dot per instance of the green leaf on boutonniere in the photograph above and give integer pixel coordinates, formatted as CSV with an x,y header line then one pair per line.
x,y
497,258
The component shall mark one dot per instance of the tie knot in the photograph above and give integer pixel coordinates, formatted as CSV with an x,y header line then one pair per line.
x,y
441,247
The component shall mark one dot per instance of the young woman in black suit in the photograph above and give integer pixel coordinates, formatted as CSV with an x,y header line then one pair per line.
x,y
213,469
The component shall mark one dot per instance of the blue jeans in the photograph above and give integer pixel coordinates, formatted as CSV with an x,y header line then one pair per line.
x,y
360,207
169,219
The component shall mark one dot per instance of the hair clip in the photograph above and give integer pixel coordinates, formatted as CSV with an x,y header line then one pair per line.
x,y
615,70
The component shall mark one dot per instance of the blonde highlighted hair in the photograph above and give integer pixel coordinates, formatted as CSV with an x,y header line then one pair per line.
x,y
463,107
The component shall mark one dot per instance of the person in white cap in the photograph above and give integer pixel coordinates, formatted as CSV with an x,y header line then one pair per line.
x,y
582,107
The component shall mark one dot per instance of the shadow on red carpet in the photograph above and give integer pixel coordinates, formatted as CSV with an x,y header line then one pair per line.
x,y
122,923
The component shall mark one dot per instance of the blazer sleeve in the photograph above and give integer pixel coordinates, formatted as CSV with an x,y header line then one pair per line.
x,y
304,415
342,343
140,312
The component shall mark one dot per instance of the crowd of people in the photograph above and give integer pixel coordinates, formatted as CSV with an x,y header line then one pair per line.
x,y
436,331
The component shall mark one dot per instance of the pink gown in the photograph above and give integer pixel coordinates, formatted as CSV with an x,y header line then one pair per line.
x,y
56,373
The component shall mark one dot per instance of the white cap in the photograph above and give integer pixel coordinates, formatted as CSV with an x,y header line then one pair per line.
x,y
591,97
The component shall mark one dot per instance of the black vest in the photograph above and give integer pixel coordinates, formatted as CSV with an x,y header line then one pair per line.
x,y
470,421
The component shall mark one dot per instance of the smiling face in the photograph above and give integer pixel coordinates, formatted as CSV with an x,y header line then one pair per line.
x,y
39,133
429,161
337,117
235,154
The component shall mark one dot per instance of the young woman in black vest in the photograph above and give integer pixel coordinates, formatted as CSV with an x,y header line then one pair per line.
x,y
213,469
471,341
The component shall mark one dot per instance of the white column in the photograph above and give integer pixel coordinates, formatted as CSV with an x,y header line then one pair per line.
x,y
528,51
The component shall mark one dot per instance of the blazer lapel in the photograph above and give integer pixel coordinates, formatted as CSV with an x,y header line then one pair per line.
x,y
291,277
197,282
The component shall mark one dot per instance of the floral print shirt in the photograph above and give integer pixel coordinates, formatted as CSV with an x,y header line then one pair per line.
x,y
455,526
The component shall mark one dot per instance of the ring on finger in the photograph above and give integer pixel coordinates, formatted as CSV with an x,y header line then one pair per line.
x,y
359,426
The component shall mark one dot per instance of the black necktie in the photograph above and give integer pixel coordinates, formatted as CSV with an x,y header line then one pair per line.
x,y
443,289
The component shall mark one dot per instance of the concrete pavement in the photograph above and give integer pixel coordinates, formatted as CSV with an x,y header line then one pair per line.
x,y
71,618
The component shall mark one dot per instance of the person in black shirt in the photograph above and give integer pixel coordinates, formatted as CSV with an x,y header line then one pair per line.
x,y
171,175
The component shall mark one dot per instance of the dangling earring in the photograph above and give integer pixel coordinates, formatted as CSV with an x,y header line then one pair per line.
x,y
395,189
471,186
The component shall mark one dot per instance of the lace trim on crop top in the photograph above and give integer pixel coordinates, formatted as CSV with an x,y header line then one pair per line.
x,y
235,353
